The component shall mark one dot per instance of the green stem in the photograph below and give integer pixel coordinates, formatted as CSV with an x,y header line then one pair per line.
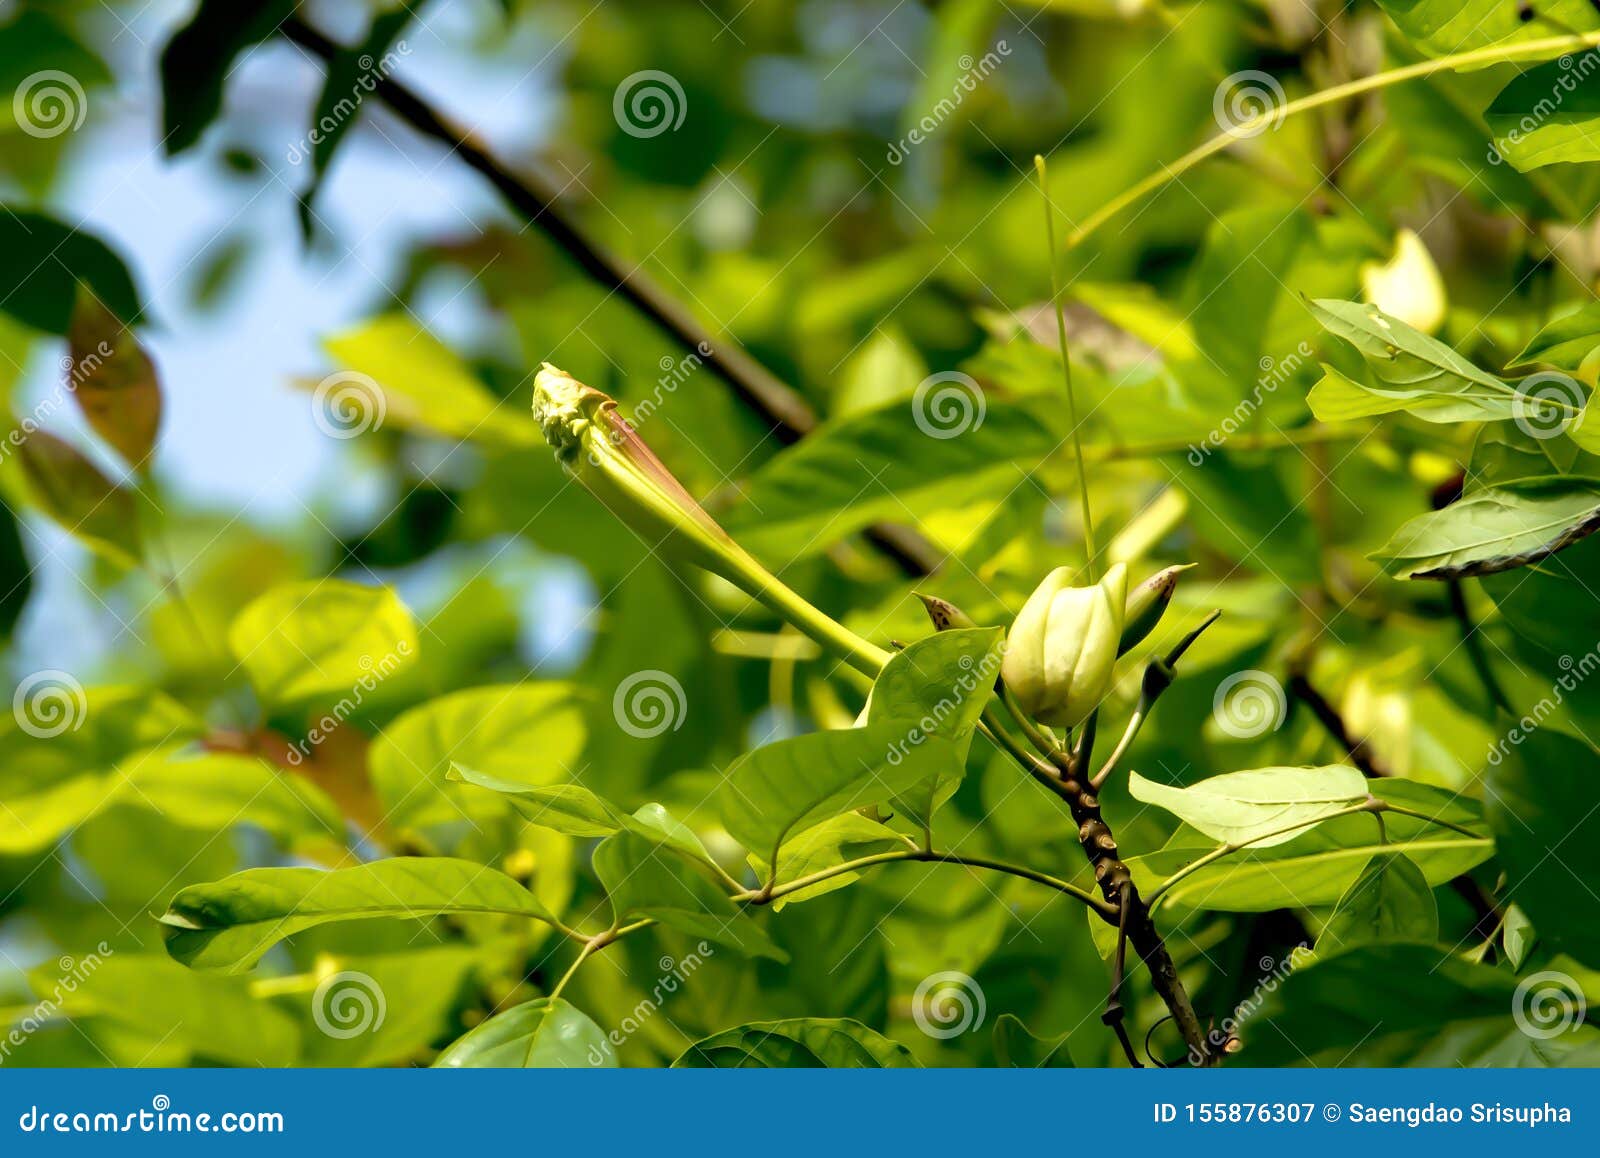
x,y
1066,371
1493,54
925,856
755,581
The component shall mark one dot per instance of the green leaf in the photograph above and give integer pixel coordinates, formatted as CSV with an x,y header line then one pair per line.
x,y
1565,342
545,1033
1240,807
113,380
835,840
938,686
797,1043
1017,1048
1547,116
1494,529
1371,998
530,733
574,810
324,640
883,464
425,386
1411,372
229,924
72,491
216,790
212,1020
782,788
200,57
47,261
1319,867
643,883
1547,836
1445,27
1390,901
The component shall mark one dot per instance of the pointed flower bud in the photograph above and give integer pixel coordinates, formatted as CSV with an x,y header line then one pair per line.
x,y
945,615
600,450
1147,603
1063,646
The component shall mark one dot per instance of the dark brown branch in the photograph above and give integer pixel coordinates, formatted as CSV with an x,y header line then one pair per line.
x,y
786,413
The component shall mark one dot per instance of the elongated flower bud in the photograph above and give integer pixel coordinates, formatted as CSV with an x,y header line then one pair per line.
x,y
945,615
600,450
1063,646
1147,603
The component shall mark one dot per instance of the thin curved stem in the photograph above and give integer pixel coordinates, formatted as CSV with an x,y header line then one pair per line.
x,y
1525,50
925,856
1039,738
1418,814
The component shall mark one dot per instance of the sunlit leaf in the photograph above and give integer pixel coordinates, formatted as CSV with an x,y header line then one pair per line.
x,y
230,923
322,641
1495,529
545,1033
1266,806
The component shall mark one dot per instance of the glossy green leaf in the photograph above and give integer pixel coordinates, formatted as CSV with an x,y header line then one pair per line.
x,y
574,810
545,1033
72,491
644,883
1495,529
1445,27
113,380
797,1043
1390,901
531,733
230,923
1546,837
1264,807
784,787
322,641
1565,342
1319,867
1547,115
1409,371
834,841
